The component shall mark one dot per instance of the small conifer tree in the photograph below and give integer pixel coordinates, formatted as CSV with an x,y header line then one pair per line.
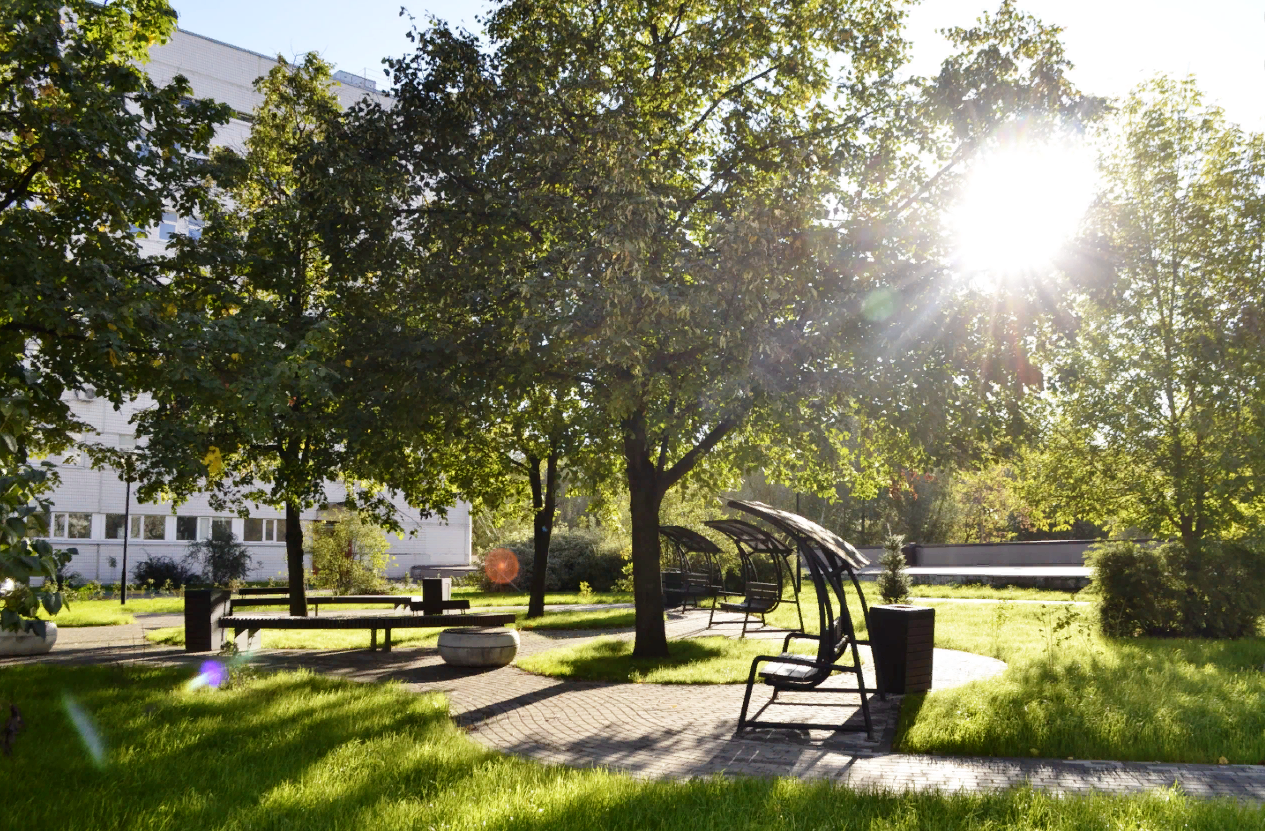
x,y
893,581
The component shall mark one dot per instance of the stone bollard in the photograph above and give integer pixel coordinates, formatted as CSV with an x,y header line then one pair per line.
x,y
478,646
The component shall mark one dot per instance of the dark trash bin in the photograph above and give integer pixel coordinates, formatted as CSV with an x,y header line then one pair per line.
x,y
902,638
203,609
910,550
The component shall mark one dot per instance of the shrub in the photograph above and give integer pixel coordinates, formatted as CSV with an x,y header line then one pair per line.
x,y
349,555
220,560
1215,591
162,571
893,581
575,557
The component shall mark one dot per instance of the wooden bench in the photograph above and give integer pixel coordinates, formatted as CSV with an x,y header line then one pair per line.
x,y
316,601
246,628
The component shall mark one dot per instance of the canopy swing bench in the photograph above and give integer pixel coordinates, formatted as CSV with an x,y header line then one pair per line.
x,y
759,596
694,578
829,560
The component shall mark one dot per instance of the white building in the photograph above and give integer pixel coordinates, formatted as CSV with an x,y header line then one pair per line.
x,y
89,504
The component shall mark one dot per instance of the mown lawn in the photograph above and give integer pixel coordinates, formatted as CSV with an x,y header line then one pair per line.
x,y
294,750
359,638
716,660
1070,692
110,613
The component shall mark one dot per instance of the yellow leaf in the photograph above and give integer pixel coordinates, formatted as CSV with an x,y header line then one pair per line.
x,y
111,327
38,154
236,356
348,362
213,461
114,359
170,310
1223,761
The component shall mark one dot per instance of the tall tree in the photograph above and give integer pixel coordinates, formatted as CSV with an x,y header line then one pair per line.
x,y
732,248
1161,396
90,150
261,399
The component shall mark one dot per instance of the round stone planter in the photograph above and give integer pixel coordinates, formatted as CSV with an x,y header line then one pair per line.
x,y
478,647
27,643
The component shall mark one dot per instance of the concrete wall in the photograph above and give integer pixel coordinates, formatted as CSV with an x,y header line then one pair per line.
x,y
954,555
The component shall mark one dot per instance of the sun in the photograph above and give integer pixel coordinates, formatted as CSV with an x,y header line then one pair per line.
x,y
1020,204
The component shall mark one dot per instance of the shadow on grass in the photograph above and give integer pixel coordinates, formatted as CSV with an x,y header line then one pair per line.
x,y
610,659
300,751
1137,700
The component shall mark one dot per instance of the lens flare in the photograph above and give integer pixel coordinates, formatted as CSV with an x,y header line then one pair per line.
x,y
211,674
501,566
86,727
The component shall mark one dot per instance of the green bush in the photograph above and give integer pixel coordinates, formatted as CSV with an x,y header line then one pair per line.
x,y
1215,591
575,557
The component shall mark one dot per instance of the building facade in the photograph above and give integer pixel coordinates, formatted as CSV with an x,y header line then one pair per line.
x,y
95,509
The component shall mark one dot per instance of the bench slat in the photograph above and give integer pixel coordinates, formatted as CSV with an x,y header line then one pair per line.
x,y
362,621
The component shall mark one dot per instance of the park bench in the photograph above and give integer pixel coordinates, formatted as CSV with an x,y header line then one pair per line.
x,y
760,596
246,628
829,560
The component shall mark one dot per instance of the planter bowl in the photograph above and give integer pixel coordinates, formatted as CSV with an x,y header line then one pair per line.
x,y
478,646
27,643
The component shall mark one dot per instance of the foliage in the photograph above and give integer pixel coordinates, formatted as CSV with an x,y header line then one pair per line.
x,y
990,505
349,554
1218,591
162,572
1161,395
80,297
220,560
90,151
260,399
723,223
23,514
575,557
893,581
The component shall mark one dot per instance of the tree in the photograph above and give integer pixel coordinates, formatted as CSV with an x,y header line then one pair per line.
x,y
261,399
90,150
1161,396
893,581
732,252
349,555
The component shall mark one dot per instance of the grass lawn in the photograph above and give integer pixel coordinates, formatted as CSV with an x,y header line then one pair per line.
x,y
294,750
716,660
1073,693
979,592
482,598
359,638
111,613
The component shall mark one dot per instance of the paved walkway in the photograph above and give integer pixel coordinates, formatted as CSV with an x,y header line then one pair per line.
x,y
680,731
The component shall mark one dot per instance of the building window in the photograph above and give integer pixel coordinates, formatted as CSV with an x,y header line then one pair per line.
x,y
186,528
264,530
209,527
114,525
149,527
167,227
73,526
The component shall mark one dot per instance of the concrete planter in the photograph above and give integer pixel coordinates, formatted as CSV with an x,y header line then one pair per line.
x,y
478,647
27,643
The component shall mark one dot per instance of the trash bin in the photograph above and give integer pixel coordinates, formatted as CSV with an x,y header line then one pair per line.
x,y
902,639
910,550
203,609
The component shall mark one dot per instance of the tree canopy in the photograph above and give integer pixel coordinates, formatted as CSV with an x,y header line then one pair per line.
x,y
1160,397
91,151
723,222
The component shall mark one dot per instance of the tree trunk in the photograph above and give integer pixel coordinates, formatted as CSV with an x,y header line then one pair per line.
x,y
294,561
544,503
645,495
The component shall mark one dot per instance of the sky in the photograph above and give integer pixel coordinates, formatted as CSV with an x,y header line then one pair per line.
x,y
1114,43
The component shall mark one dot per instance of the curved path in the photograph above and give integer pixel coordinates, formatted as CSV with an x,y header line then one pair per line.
x,y
681,731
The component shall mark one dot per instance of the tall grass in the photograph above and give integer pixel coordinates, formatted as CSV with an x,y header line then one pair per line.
x,y
294,750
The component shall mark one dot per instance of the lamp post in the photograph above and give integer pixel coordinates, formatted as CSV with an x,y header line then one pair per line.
x,y
127,524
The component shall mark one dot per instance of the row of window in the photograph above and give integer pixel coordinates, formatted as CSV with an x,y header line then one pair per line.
x,y
78,526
